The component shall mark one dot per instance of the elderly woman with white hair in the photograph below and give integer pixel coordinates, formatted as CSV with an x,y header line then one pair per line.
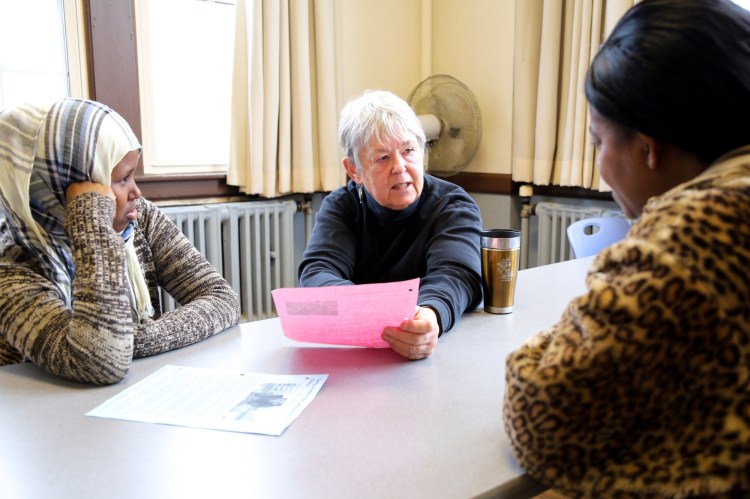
x,y
393,222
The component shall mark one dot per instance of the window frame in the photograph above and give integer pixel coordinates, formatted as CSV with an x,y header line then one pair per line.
x,y
72,49
151,33
74,14
113,80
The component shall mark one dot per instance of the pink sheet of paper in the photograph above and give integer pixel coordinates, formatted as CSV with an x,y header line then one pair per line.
x,y
345,315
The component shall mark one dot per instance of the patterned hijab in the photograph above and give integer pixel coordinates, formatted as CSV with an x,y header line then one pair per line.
x,y
42,151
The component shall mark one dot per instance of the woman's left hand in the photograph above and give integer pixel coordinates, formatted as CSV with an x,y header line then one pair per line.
x,y
417,337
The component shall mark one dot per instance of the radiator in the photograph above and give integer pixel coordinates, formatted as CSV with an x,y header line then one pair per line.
x,y
553,220
249,243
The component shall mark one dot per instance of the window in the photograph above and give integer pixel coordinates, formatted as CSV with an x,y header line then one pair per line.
x,y
41,51
185,54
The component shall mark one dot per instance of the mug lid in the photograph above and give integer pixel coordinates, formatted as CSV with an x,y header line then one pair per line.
x,y
506,239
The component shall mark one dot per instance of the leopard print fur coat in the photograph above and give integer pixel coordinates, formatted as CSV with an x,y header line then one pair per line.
x,y
642,389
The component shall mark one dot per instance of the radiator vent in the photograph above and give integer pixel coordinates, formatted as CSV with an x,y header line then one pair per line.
x,y
553,222
249,243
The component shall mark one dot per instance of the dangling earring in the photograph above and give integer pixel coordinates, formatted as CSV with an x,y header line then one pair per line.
x,y
359,191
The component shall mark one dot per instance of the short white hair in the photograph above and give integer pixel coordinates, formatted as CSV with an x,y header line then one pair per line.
x,y
376,114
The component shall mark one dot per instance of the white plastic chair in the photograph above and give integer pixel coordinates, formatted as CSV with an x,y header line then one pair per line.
x,y
591,235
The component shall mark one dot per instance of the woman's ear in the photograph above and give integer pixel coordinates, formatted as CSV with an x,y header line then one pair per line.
x,y
652,150
351,169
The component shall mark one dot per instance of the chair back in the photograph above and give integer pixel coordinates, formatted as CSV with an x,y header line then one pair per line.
x,y
591,235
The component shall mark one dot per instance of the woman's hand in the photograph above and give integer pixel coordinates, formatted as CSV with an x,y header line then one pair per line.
x,y
77,188
417,337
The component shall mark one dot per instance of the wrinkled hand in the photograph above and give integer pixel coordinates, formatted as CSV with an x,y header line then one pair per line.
x,y
77,188
416,338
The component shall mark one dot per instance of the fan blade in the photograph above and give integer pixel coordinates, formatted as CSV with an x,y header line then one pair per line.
x,y
453,105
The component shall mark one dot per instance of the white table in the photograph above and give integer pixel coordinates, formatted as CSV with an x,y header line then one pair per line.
x,y
381,427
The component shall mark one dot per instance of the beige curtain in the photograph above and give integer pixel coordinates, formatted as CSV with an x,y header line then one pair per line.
x,y
555,42
284,116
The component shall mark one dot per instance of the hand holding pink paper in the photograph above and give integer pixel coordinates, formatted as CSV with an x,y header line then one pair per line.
x,y
345,315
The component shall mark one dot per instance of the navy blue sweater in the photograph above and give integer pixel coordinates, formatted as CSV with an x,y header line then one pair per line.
x,y
436,238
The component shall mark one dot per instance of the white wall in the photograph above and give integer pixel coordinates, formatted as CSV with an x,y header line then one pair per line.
x,y
472,40
380,45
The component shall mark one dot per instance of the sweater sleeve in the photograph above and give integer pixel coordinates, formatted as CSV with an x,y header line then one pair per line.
x,y
453,281
91,342
208,304
445,251
329,257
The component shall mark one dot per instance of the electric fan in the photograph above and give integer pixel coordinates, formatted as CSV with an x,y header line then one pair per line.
x,y
450,117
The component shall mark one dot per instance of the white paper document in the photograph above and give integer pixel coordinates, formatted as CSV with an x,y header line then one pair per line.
x,y
215,399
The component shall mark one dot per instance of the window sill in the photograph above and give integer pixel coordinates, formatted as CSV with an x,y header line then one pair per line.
x,y
166,187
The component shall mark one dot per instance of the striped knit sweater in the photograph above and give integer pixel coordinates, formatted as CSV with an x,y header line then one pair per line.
x,y
96,340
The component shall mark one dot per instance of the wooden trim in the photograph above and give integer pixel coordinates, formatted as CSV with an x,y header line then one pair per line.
x,y
565,191
493,183
86,22
168,187
483,182
113,63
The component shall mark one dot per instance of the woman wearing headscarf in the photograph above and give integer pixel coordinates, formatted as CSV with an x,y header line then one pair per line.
x,y
392,222
642,389
82,254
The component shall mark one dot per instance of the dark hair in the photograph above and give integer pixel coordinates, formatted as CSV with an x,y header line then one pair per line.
x,y
679,71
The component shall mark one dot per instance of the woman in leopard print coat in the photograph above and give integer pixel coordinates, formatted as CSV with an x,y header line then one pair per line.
x,y
642,389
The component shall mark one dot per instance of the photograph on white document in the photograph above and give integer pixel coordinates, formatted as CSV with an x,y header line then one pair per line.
x,y
215,399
